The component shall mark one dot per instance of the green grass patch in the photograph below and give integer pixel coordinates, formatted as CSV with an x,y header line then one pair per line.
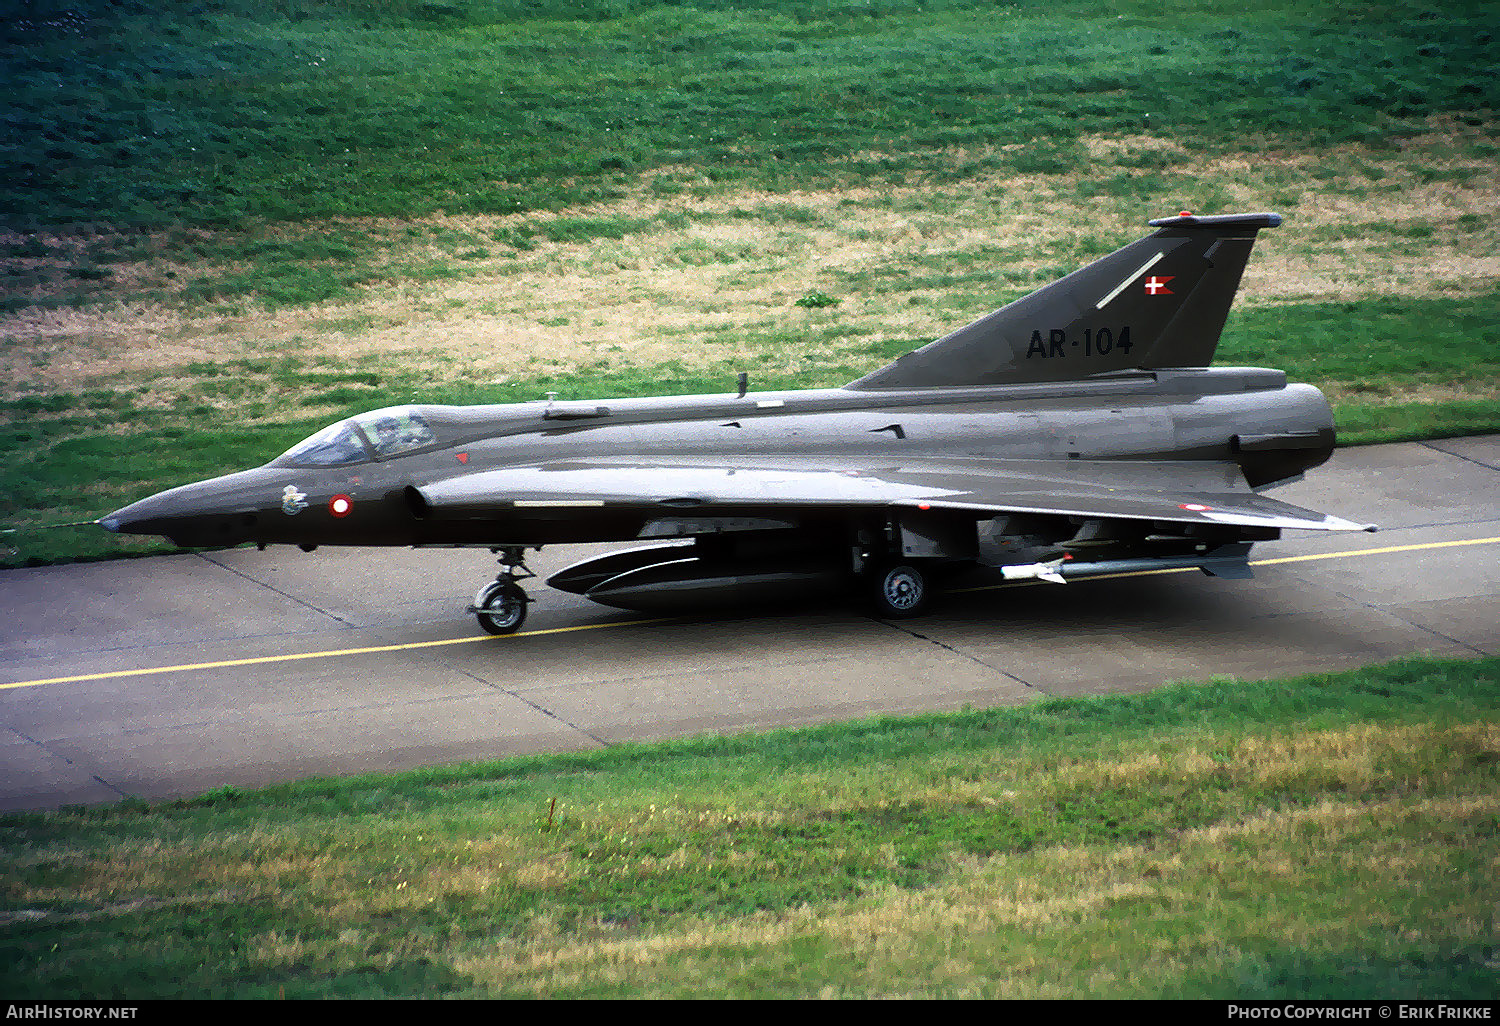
x,y
1402,422
240,113
1393,340
1331,836
588,229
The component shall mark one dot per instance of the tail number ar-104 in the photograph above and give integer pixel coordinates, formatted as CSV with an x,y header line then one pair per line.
x,y
1086,342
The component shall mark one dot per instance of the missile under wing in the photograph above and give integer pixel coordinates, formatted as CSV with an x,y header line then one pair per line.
x,y
1077,431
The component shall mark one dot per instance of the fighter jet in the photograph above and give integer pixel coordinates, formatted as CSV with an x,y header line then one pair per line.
x,y
1076,432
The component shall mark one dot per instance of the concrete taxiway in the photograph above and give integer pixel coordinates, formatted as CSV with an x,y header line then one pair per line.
x,y
168,676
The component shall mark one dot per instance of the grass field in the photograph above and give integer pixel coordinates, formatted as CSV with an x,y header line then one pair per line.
x,y
1332,836
227,223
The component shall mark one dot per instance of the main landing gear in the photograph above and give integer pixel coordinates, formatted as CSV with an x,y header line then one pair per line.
x,y
500,606
899,590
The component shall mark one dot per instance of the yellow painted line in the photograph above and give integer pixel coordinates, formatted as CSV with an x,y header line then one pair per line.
x,y
1376,552
1257,562
411,646
332,653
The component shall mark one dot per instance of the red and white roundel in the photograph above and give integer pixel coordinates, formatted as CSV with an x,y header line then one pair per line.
x,y
341,506
1194,507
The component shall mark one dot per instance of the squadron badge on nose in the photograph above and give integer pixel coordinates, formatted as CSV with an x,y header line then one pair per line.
x,y
293,501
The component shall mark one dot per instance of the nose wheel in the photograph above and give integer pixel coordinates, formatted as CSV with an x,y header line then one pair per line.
x,y
500,605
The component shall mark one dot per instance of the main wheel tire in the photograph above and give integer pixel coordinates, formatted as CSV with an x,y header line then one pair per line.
x,y
500,607
901,590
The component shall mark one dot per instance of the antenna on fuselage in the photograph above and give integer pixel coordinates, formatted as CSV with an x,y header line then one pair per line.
x,y
744,385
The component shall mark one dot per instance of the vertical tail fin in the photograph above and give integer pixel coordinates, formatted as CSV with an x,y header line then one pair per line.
x,y
1158,302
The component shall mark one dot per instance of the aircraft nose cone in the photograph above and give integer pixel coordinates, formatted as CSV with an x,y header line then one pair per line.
x,y
221,511
144,517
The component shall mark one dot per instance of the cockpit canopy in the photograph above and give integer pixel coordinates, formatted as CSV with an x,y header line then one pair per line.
x,y
379,434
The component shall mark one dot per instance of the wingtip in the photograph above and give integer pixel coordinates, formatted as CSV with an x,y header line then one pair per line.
x,y
1340,524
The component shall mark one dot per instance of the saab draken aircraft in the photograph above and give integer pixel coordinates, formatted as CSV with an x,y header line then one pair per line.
x,y
1078,431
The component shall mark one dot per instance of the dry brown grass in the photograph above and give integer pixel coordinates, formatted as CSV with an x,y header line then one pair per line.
x,y
1058,890
661,295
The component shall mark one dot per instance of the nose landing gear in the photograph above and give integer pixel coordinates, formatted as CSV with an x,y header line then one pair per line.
x,y
500,605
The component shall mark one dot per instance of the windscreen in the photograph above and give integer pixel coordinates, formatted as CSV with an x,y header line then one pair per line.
x,y
335,445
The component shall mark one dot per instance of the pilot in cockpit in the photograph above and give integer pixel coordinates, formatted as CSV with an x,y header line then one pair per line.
x,y
387,435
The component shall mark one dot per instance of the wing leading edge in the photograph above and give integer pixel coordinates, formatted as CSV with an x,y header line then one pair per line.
x,y
1191,492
